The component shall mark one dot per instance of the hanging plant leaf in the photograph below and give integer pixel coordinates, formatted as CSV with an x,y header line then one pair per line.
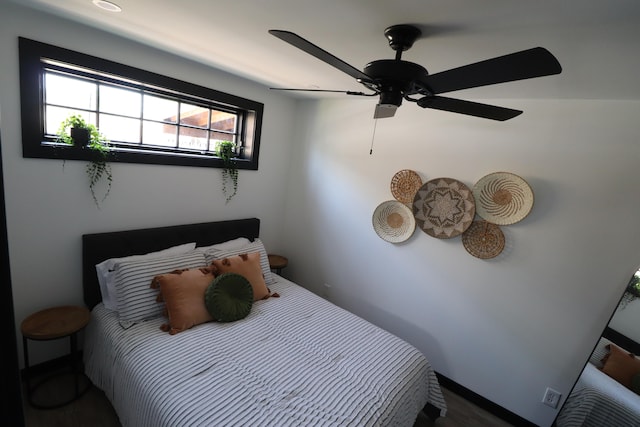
x,y
98,168
226,150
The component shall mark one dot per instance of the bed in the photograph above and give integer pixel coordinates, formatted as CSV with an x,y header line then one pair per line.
x,y
294,360
599,400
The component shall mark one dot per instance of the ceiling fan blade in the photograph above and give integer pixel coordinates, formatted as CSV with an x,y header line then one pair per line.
x,y
319,53
348,92
526,64
469,108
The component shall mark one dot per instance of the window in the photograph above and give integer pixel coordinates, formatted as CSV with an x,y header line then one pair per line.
x,y
147,117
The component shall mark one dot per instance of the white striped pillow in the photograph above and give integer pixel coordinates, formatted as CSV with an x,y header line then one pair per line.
x,y
136,299
599,352
255,246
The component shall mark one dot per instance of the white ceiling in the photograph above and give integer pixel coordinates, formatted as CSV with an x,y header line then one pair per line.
x,y
597,42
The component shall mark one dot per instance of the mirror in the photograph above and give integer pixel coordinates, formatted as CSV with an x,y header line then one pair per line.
x,y
608,389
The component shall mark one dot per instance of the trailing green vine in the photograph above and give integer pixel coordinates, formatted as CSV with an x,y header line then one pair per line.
x,y
226,151
632,292
98,168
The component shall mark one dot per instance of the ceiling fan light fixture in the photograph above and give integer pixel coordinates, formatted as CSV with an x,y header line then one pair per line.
x,y
384,111
107,5
391,96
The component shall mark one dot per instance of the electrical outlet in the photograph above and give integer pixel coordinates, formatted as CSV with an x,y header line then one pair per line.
x,y
551,397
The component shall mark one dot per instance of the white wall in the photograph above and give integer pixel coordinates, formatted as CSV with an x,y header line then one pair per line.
x,y
505,328
49,205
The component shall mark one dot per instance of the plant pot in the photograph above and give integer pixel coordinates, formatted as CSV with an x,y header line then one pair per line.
x,y
80,137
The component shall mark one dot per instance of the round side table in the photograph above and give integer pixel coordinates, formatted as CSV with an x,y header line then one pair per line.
x,y
277,262
50,324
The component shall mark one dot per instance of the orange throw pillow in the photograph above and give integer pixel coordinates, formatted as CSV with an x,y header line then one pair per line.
x,y
620,365
247,265
183,294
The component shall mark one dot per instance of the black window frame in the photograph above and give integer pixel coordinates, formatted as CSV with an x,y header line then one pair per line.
x,y
33,56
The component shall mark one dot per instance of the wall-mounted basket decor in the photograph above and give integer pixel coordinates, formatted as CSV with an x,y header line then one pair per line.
x,y
444,208
404,185
503,198
393,221
483,240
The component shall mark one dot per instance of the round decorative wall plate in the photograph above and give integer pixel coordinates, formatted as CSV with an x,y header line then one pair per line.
x,y
444,208
404,185
483,240
393,221
503,198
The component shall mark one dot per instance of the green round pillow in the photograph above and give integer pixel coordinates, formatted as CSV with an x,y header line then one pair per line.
x,y
229,297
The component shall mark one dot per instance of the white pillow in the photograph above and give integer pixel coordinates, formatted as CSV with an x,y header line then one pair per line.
x,y
225,246
255,246
136,299
599,352
106,274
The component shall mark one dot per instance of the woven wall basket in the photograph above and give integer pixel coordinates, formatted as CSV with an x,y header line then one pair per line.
x,y
393,221
503,198
483,240
443,208
404,185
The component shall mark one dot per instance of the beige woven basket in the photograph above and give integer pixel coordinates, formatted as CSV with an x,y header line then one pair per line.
x,y
483,240
503,198
393,221
443,208
404,185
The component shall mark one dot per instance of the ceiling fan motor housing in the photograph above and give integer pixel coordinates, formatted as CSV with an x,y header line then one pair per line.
x,y
396,79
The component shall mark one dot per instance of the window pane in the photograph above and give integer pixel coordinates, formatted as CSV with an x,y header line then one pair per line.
x,y
221,120
120,128
159,134
193,139
120,101
194,115
70,92
55,115
160,109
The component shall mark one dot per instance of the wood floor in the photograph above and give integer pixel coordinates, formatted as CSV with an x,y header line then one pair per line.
x,y
93,409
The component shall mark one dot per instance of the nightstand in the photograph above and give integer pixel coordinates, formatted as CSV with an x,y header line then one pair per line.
x,y
51,324
277,262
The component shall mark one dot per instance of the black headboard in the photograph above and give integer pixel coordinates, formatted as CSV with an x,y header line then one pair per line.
x,y
98,247
621,340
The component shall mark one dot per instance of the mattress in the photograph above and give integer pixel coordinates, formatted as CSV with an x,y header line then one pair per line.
x,y
598,400
296,360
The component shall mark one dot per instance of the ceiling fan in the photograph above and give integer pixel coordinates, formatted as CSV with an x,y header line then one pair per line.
x,y
394,79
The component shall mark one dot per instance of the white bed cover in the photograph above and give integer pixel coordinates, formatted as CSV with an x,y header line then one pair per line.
x,y
297,360
600,401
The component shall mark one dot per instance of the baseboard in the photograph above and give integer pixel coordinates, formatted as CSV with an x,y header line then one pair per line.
x,y
484,403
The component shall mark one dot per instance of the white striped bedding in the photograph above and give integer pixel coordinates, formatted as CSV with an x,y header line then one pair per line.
x,y
296,360
598,401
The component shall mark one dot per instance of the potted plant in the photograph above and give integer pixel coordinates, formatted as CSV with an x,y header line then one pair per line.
x,y
632,292
74,130
226,150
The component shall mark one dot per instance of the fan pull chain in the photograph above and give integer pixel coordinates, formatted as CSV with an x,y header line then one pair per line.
x,y
373,137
